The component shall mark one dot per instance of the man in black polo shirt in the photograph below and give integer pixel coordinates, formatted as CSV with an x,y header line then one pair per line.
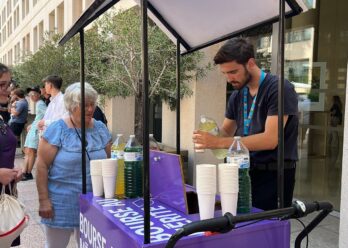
x,y
252,113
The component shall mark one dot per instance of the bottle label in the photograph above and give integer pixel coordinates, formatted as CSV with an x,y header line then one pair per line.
x,y
120,154
113,155
242,161
133,156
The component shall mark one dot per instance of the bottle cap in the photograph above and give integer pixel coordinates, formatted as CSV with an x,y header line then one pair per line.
x,y
119,134
237,137
132,136
203,119
151,135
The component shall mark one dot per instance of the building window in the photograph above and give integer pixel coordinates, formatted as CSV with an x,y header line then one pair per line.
x,y
10,60
51,22
4,34
25,8
35,38
9,8
60,18
9,24
77,9
41,33
4,15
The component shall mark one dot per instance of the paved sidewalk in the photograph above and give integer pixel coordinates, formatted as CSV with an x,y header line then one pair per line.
x,y
324,236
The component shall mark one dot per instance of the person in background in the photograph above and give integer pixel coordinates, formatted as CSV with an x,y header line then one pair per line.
x,y
252,112
19,112
32,139
44,95
56,109
4,102
59,178
100,116
8,144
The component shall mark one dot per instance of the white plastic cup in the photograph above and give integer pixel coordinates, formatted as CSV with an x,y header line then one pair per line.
x,y
109,167
228,178
109,172
229,203
109,183
206,204
206,178
96,167
97,185
97,178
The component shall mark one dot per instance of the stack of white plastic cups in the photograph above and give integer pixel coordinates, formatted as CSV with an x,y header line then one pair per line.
x,y
97,177
206,189
109,173
228,187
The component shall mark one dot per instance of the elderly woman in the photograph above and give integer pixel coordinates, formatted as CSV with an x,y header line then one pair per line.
x,y
32,139
59,176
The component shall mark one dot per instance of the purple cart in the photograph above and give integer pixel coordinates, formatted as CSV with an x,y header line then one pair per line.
x,y
112,223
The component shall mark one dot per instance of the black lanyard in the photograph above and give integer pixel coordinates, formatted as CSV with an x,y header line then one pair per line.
x,y
80,138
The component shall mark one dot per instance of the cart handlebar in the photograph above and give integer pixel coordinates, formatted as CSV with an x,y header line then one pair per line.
x,y
227,222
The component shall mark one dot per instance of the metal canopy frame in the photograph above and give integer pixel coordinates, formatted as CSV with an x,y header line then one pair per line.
x,y
98,7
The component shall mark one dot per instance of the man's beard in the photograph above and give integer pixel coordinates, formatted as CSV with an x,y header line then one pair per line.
x,y
247,77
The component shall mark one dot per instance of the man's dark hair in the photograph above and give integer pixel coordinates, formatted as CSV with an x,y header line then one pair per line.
x,y
3,69
19,92
56,81
236,49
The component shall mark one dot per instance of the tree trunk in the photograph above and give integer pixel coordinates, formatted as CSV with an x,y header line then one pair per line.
x,y
138,113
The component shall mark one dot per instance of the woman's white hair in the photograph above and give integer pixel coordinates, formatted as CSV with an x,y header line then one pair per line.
x,y
72,96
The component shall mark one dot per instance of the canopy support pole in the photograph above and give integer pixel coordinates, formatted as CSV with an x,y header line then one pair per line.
x,y
178,97
145,80
82,106
280,70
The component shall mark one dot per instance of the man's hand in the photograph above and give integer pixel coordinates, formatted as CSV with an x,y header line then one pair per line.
x,y
46,209
41,125
203,140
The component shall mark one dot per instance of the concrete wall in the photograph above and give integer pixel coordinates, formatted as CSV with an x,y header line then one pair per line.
x,y
120,114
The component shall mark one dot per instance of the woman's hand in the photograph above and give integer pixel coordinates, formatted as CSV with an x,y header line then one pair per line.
x,y
7,175
28,128
19,174
46,209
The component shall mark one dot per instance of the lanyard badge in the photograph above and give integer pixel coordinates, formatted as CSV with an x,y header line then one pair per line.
x,y
247,118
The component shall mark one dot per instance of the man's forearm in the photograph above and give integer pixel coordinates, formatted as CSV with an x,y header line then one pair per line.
x,y
260,142
224,142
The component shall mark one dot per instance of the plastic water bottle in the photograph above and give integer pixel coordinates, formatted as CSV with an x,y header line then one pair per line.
x,y
239,154
117,152
209,125
153,144
133,168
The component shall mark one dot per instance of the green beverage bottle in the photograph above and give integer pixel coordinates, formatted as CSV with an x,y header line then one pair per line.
x,y
133,168
238,153
117,152
209,125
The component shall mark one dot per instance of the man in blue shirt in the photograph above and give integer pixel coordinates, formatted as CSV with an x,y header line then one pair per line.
x,y
19,113
252,113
